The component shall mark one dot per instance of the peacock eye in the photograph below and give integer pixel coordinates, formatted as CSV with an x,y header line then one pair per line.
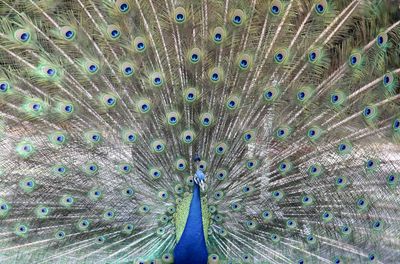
x,y
4,86
140,46
195,57
25,36
128,70
122,5
245,61
92,68
180,15
275,9
115,33
279,57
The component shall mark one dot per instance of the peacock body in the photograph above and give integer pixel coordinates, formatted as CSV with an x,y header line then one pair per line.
x,y
144,131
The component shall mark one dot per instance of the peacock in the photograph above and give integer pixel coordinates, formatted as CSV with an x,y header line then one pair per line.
x,y
194,132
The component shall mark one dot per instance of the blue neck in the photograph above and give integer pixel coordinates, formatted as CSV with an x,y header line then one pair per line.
x,y
191,248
